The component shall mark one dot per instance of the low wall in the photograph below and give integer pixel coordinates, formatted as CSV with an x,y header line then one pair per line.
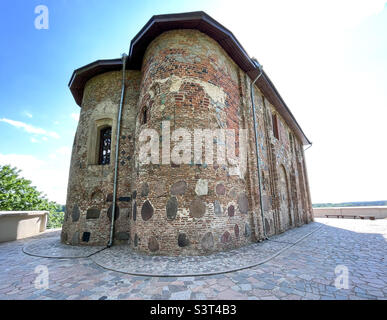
x,y
377,212
21,224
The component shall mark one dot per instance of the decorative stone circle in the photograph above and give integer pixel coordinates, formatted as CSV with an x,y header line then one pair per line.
x,y
236,231
178,188
159,189
92,213
153,244
201,188
220,189
247,230
110,211
75,214
226,237
207,241
146,210
197,208
243,203
182,240
144,189
171,208
217,208
231,210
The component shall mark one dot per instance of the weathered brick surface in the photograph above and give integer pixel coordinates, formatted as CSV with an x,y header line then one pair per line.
x,y
190,81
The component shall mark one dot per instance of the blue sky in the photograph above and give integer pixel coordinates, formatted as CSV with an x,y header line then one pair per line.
x,y
328,59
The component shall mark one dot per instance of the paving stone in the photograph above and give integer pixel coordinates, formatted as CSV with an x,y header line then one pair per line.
x,y
303,271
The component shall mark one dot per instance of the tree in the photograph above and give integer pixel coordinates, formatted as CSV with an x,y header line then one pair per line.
x,y
17,194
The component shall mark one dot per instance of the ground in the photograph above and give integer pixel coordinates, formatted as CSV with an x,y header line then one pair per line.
x,y
303,269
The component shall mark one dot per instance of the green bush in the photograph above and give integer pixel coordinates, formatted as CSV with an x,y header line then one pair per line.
x,y
17,194
55,220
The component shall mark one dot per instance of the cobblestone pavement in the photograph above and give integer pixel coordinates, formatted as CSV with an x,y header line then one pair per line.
x,y
305,270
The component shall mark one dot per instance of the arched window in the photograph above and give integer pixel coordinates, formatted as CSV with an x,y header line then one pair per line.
x,y
105,139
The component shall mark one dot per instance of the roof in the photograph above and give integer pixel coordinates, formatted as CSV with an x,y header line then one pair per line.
x,y
192,20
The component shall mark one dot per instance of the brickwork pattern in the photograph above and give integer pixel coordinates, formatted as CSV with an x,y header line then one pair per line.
x,y
183,209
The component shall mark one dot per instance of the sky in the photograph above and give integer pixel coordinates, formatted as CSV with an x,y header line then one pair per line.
x,y
328,60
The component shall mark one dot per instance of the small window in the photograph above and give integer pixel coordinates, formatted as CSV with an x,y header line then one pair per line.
x,y
275,126
144,115
105,139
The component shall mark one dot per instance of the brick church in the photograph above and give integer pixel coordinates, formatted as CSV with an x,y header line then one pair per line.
x,y
182,71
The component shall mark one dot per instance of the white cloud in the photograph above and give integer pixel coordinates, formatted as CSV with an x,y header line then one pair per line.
x,y
75,116
64,151
30,129
33,140
27,114
50,176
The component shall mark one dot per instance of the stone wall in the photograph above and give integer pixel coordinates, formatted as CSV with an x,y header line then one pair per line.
x,y
16,225
187,81
90,186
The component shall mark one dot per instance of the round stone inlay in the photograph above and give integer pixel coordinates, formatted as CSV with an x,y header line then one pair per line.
x,y
146,210
153,244
144,189
182,240
236,231
75,214
197,208
116,215
247,230
217,208
178,188
171,208
226,237
207,241
231,210
243,203
220,189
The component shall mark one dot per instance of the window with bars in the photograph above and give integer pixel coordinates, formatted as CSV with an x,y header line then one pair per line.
x,y
105,139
